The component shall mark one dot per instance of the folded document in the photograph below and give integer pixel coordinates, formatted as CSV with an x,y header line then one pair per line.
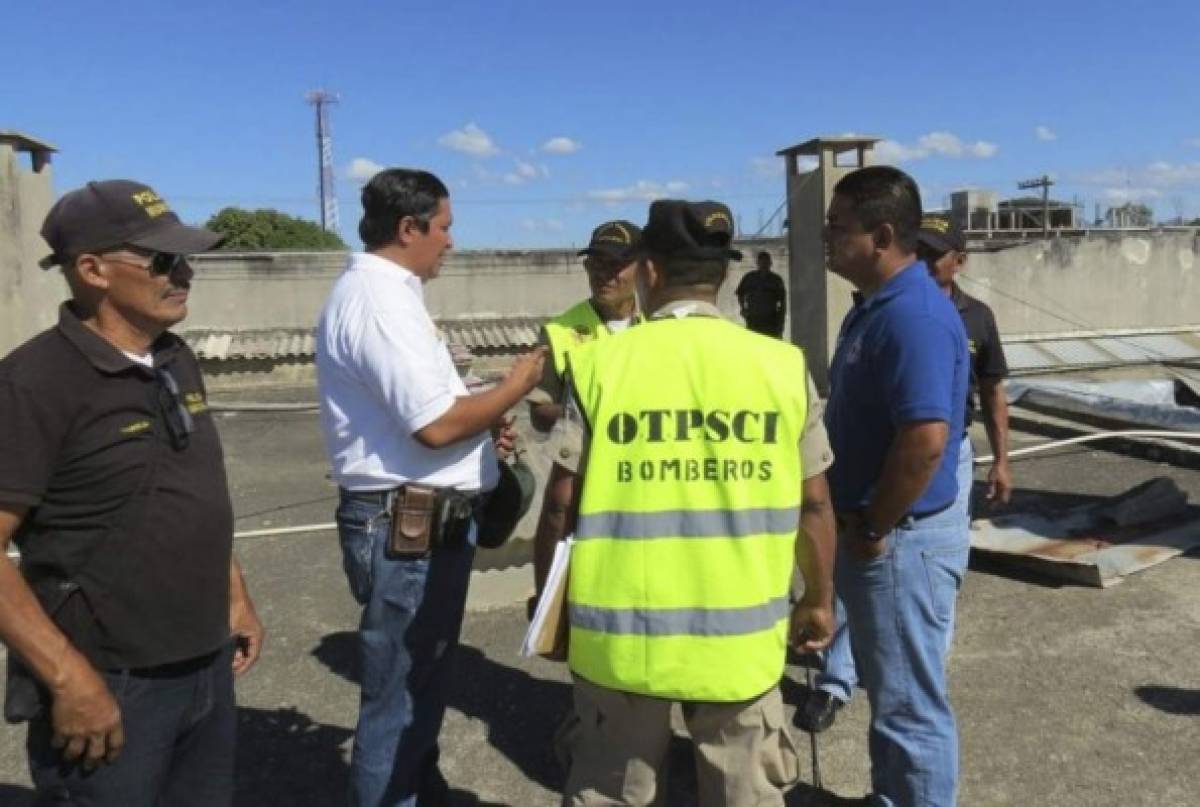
x,y
547,634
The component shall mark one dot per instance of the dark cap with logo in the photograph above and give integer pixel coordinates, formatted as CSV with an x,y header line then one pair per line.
x,y
614,239
679,229
118,212
941,233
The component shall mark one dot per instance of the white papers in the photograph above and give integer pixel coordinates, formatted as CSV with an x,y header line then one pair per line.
x,y
548,628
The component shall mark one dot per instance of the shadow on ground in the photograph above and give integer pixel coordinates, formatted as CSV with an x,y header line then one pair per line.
x,y
285,757
16,796
1172,700
521,712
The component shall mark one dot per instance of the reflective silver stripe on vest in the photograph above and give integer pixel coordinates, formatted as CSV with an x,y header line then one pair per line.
x,y
688,523
680,621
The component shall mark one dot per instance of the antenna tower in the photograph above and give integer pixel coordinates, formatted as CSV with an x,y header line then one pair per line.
x,y
325,188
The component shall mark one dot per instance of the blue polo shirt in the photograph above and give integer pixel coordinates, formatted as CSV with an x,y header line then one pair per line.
x,y
901,357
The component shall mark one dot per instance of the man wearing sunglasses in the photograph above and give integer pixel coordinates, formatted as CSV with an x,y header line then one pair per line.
x,y
128,617
612,307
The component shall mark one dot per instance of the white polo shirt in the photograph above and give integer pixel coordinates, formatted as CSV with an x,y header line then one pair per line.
x,y
383,373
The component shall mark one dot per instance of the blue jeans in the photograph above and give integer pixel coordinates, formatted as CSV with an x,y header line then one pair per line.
x,y
895,626
412,615
180,724
838,677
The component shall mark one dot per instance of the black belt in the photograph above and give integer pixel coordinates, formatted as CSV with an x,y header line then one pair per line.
x,y
383,497
174,669
906,521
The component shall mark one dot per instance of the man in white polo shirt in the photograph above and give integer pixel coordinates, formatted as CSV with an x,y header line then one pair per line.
x,y
405,437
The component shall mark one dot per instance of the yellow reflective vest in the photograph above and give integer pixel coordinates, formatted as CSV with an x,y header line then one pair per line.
x,y
682,565
576,326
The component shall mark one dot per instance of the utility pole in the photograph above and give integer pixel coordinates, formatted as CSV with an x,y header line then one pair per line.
x,y
325,188
1044,182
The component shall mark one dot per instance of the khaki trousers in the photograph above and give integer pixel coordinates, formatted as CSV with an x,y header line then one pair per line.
x,y
745,757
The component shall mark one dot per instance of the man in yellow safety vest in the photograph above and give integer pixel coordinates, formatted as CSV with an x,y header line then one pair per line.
x,y
701,456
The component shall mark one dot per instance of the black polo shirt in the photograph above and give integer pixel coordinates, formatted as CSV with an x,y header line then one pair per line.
x,y
983,340
142,522
762,295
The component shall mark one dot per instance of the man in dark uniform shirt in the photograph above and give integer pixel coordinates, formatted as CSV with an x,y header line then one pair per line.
x,y
128,616
763,299
942,247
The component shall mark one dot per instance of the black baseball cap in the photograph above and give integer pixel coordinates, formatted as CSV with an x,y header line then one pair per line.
x,y
112,213
614,239
941,233
679,229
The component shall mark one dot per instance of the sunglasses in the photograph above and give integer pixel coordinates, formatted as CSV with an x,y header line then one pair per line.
x,y
175,413
160,264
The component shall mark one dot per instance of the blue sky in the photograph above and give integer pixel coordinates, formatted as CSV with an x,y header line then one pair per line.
x,y
545,118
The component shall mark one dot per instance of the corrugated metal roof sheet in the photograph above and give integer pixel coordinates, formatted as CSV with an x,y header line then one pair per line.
x,y
482,335
1036,354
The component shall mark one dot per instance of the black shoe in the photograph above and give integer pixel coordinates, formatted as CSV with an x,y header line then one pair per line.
x,y
818,711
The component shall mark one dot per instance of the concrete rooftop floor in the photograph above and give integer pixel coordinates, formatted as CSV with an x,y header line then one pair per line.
x,y
1065,695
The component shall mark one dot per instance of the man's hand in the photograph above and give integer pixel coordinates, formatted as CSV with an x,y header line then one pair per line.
x,y
999,484
811,627
247,631
853,535
84,716
526,371
504,436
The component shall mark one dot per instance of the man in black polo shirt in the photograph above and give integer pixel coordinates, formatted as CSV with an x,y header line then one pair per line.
x,y
762,298
128,617
943,248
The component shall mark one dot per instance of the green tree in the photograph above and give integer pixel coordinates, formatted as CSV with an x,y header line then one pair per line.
x,y
269,229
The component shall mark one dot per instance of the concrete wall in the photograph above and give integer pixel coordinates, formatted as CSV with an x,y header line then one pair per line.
x,y
28,295
287,290
1100,282
1141,280
1148,280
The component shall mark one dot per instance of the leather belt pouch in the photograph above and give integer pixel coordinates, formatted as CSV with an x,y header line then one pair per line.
x,y
414,522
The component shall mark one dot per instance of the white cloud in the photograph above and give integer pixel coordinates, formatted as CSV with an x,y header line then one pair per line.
x,y
1045,134
542,225
934,144
524,172
766,167
1131,194
1156,176
773,167
561,145
362,169
470,139
641,191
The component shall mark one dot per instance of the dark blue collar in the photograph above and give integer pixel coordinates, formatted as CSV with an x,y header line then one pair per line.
x,y
907,278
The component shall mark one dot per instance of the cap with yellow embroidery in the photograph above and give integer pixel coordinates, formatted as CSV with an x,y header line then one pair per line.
x,y
118,212
614,239
942,234
679,229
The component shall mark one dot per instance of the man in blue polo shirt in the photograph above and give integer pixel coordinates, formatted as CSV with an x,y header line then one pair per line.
x,y
898,385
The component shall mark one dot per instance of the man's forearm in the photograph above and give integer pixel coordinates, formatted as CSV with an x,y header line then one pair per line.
x,y
237,584
29,633
470,415
994,406
911,462
558,510
816,543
